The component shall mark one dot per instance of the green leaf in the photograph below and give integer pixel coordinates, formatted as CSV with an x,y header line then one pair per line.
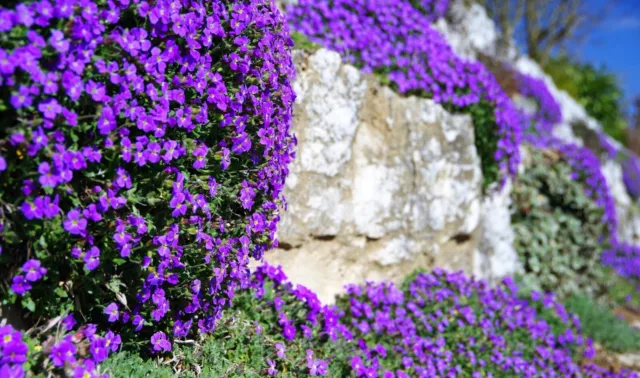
x,y
28,304
119,261
61,293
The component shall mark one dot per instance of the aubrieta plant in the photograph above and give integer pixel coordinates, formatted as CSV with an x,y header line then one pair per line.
x,y
395,40
445,324
548,113
624,258
273,329
586,166
587,169
58,348
143,151
631,174
438,324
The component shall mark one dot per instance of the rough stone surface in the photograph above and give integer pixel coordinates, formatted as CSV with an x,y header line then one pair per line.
x,y
496,256
382,184
470,31
612,172
630,226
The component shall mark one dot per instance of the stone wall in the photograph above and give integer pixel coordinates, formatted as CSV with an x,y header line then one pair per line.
x,y
470,31
382,184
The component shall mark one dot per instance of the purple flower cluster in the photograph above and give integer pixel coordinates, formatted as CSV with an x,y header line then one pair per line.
x,y
441,324
448,325
301,316
145,143
548,113
607,146
13,352
631,175
78,352
32,271
434,9
624,258
394,38
587,168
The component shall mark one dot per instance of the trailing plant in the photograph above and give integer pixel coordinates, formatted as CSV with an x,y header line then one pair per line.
x,y
273,329
55,348
395,41
631,174
436,323
143,151
548,112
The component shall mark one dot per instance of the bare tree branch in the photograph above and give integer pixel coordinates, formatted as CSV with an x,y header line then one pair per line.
x,y
544,25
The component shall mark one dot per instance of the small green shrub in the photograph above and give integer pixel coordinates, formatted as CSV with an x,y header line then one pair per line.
x,y
486,141
604,326
302,42
598,90
558,230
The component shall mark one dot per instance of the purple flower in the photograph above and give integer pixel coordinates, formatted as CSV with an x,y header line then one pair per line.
x,y
96,91
112,311
75,224
20,285
33,271
15,352
247,194
50,108
280,350
112,341
47,178
8,371
123,180
68,322
226,158
62,352
177,203
201,157
3,164
272,367
289,332
92,258
98,349
160,342
31,211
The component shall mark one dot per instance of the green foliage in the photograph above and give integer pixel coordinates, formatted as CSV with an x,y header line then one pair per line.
x,y
622,291
237,348
558,229
486,140
598,90
603,326
302,42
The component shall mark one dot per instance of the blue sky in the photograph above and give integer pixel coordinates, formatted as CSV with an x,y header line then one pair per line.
x,y
616,43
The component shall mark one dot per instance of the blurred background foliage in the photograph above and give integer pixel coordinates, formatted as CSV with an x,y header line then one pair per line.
x,y
596,89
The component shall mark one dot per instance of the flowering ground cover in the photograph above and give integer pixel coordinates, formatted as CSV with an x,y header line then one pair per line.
x,y
143,151
631,175
395,40
441,324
